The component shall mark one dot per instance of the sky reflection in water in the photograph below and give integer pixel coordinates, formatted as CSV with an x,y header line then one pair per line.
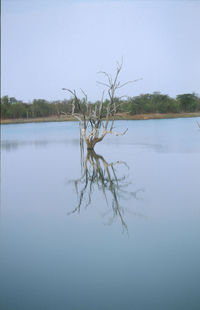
x,y
54,258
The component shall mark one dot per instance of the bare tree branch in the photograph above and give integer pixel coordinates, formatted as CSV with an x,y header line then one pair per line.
x,y
97,120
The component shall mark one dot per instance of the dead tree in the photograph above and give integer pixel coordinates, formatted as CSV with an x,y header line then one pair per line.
x,y
94,123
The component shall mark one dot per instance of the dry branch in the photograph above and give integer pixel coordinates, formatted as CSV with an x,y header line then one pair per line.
x,y
94,124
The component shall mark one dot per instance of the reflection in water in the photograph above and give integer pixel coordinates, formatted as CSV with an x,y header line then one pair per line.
x,y
98,173
14,145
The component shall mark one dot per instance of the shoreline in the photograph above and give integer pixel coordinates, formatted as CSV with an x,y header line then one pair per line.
x,y
119,116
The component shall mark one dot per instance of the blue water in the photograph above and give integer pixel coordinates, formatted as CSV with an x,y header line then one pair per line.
x,y
141,251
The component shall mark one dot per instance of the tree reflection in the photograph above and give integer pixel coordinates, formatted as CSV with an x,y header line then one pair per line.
x,y
97,173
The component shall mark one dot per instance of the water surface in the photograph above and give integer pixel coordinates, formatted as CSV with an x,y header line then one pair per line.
x,y
139,249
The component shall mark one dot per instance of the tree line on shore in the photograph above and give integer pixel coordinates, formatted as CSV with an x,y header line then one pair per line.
x,y
11,108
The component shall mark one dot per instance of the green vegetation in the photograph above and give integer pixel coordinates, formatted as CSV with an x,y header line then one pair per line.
x,y
12,108
159,103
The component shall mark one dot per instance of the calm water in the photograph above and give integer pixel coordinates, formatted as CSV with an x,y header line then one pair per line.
x,y
123,234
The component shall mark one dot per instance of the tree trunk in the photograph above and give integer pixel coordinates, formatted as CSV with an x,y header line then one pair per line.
x,y
90,144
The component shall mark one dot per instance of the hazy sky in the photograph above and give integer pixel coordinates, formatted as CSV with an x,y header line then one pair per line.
x,y
50,44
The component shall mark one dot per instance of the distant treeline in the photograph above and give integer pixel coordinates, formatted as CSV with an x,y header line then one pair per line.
x,y
145,103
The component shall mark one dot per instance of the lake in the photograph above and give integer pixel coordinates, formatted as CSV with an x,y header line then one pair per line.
x,y
119,229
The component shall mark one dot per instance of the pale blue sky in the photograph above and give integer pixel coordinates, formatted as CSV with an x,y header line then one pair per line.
x,y
47,45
